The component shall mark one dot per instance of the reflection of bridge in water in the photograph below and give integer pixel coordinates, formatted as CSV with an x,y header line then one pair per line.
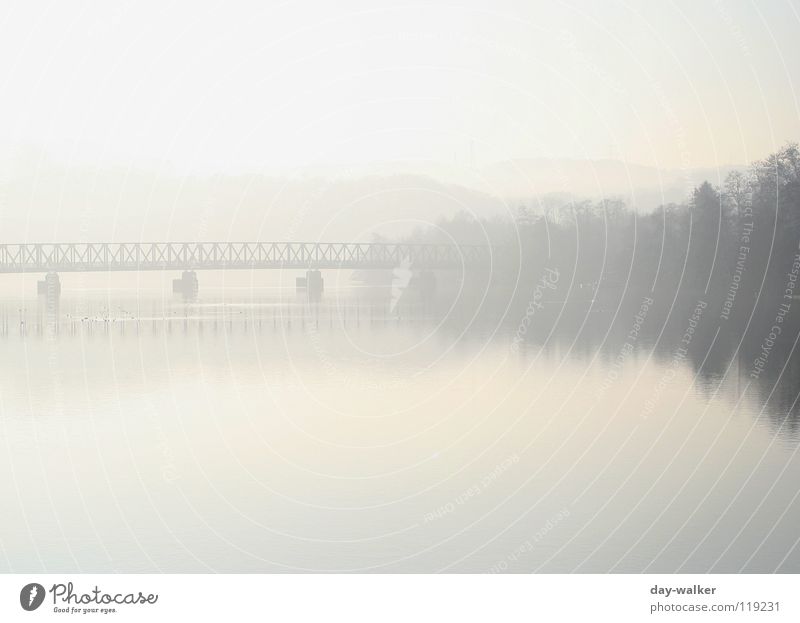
x,y
188,257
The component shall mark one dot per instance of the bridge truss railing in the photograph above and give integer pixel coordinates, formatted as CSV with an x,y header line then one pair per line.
x,y
119,256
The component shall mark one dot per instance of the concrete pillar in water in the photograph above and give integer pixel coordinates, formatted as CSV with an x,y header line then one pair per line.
x,y
187,285
315,285
50,289
50,286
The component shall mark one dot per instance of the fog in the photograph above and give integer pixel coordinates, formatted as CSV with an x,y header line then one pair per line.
x,y
533,308
123,118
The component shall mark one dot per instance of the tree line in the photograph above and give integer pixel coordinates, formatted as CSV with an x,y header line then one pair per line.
x,y
732,246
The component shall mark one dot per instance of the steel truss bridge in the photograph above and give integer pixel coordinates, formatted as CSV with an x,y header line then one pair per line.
x,y
136,256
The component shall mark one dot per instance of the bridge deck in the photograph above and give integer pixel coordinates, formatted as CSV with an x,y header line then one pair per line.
x,y
136,256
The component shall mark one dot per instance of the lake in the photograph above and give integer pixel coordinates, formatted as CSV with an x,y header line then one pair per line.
x,y
252,431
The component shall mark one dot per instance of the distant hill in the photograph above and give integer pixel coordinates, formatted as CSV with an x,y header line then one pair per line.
x,y
51,202
523,180
54,203
642,187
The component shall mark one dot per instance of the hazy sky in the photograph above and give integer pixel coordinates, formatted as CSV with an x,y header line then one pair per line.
x,y
236,86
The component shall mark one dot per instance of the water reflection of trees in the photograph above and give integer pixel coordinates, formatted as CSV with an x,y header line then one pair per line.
x,y
732,246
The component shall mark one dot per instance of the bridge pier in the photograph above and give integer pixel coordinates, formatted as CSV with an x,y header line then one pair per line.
x,y
315,285
187,285
50,286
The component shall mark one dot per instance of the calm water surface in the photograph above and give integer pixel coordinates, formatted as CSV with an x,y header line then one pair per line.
x,y
255,432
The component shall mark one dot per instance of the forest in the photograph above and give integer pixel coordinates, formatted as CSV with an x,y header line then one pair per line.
x,y
723,265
